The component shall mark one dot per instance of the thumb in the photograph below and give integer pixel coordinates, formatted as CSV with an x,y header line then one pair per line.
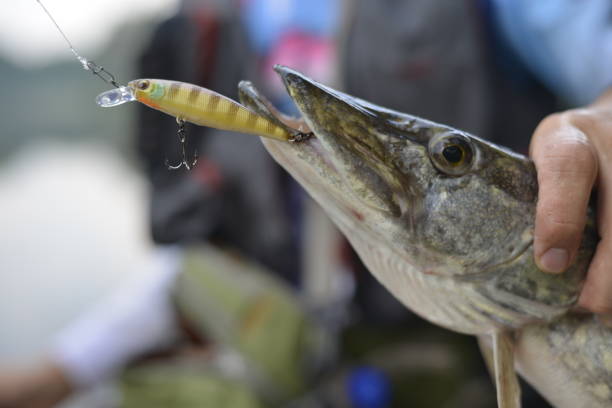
x,y
567,167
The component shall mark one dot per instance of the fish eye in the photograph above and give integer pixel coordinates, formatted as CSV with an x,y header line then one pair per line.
x,y
143,84
451,153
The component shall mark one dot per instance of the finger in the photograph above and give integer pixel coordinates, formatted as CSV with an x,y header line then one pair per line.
x,y
567,168
596,294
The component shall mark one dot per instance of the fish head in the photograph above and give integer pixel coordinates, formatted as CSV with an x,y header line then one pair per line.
x,y
446,201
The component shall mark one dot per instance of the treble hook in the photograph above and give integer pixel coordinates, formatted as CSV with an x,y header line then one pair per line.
x,y
182,138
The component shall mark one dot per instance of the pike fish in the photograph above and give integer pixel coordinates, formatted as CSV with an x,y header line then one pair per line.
x,y
445,221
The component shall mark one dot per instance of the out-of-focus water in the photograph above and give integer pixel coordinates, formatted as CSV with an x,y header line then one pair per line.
x,y
73,227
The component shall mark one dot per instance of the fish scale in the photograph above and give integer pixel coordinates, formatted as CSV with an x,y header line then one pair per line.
x,y
452,304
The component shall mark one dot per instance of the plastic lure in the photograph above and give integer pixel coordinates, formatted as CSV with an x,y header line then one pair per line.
x,y
196,105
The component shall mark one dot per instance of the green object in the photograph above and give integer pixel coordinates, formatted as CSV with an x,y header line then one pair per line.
x,y
180,386
241,306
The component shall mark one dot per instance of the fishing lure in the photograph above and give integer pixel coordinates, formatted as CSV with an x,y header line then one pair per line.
x,y
187,103
197,105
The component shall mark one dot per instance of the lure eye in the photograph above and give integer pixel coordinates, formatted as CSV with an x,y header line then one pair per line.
x,y
143,85
451,153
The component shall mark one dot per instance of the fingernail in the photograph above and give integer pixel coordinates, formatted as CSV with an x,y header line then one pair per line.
x,y
554,260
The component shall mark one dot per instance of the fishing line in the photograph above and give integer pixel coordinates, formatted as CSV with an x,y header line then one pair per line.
x,y
88,65
120,95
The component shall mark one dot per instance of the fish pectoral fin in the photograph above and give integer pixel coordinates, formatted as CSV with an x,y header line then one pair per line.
x,y
498,353
485,343
499,356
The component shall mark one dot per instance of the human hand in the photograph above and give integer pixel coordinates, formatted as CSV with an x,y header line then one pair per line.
x,y
572,152
40,386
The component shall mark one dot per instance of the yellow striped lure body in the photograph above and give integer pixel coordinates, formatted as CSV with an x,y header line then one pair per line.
x,y
195,104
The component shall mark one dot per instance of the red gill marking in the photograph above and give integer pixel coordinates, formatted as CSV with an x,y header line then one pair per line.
x,y
359,216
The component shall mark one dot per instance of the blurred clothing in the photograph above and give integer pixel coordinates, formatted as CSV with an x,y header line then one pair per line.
x,y
239,306
264,345
236,196
566,43
441,60
297,33
183,384
266,21
135,320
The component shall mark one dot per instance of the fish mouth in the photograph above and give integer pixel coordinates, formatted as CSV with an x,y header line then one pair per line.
x,y
308,162
350,143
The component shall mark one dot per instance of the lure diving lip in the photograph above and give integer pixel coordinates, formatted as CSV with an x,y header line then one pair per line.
x,y
115,97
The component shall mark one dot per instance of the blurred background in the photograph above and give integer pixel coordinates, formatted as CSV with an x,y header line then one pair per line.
x,y
74,209
74,212
125,284
73,202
